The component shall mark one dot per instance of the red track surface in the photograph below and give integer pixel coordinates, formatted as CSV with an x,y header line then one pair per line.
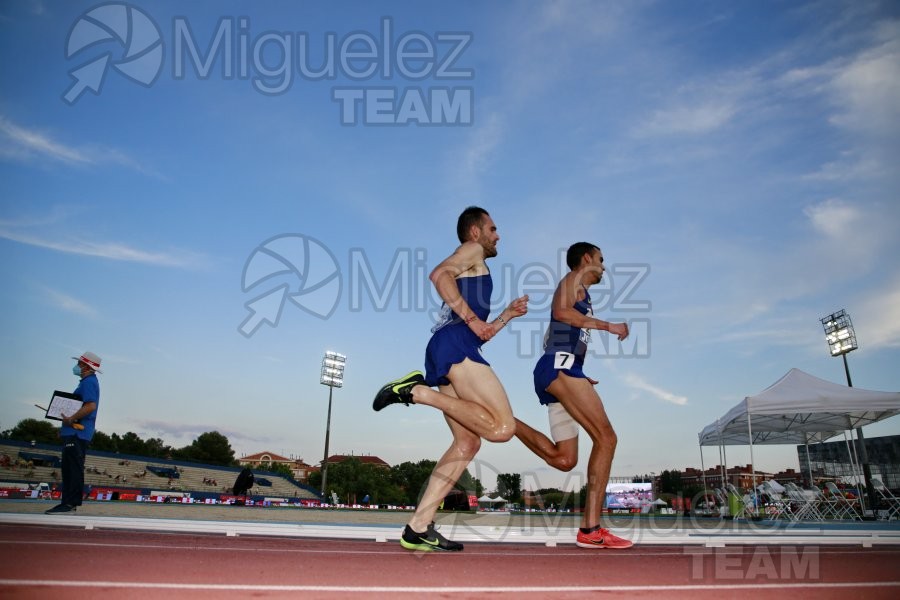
x,y
41,562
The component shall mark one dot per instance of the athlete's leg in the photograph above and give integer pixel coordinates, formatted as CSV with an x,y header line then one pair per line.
x,y
480,404
446,472
581,401
562,455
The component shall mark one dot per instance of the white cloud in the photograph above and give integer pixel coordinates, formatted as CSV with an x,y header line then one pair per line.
x,y
867,89
109,250
19,143
849,166
638,383
851,236
877,319
484,141
834,218
69,304
690,120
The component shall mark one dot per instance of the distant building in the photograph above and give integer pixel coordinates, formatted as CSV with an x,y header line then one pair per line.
x,y
831,460
299,469
740,477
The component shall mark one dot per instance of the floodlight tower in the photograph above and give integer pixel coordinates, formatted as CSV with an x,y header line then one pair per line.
x,y
332,376
841,340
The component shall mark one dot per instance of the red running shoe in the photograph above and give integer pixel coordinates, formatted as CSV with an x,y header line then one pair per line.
x,y
601,538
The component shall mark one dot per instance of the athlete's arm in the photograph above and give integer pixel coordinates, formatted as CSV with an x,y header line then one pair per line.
x,y
444,277
467,257
568,292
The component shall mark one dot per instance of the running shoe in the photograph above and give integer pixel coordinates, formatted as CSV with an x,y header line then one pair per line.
x,y
428,541
601,538
60,509
398,391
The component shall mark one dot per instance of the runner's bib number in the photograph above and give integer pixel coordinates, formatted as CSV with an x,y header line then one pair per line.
x,y
563,360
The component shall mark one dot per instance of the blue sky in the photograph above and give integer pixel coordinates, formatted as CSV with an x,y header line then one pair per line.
x,y
732,160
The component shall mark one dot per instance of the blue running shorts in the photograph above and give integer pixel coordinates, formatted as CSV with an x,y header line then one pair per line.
x,y
545,373
447,347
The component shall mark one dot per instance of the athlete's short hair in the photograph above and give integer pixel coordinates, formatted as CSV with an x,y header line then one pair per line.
x,y
578,250
471,216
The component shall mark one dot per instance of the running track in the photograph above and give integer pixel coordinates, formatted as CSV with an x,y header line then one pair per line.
x,y
43,561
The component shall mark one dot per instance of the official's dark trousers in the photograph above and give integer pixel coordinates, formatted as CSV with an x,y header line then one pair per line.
x,y
73,452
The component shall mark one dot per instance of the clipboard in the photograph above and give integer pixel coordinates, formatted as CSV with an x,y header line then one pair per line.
x,y
63,403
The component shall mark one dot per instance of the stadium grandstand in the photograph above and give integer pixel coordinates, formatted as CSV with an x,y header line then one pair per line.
x,y
25,465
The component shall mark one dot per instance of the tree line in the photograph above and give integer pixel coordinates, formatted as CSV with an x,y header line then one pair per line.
x,y
210,448
351,479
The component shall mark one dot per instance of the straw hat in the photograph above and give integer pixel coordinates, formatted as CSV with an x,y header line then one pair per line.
x,y
91,360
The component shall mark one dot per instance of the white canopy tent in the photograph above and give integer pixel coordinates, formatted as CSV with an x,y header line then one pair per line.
x,y
488,500
798,409
488,503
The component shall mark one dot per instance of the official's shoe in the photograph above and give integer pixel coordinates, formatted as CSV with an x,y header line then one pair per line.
x,y
428,541
398,391
601,538
60,509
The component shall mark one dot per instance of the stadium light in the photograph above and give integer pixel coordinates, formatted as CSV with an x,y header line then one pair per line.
x,y
332,375
841,338
840,335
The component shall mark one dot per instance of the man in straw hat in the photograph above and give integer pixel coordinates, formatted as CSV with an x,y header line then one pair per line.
x,y
76,433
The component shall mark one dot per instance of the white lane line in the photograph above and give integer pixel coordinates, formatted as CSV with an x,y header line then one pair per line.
x,y
443,590
539,552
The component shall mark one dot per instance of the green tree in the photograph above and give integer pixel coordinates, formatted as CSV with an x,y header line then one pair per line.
x,y
131,443
509,485
156,448
314,480
34,430
102,442
276,468
670,482
470,484
411,478
352,480
211,448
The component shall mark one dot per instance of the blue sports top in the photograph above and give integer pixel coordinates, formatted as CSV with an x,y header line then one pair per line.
x,y
452,341
89,391
476,291
561,337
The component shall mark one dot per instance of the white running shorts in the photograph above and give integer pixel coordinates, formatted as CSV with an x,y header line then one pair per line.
x,y
562,425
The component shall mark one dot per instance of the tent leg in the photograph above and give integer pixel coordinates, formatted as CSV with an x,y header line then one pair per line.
x,y
854,467
808,464
723,456
752,465
702,469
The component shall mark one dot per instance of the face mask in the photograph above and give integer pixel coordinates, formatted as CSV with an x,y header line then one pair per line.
x,y
76,370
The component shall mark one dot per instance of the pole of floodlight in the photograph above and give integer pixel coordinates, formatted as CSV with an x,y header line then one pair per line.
x,y
333,376
841,338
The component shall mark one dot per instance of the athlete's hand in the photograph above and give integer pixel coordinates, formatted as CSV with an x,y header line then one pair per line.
x,y
592,381
518,307
484,331
619,330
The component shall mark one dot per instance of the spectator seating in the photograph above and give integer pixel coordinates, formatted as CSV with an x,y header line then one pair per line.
x,y
103,469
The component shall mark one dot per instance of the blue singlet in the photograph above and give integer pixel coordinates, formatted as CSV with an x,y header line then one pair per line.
x,y
564,349
452,340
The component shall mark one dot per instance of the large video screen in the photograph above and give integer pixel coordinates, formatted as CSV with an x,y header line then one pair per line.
x,y
628,495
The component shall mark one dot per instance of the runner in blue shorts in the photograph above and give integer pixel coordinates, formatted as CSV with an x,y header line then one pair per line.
x,y
561,385
471,397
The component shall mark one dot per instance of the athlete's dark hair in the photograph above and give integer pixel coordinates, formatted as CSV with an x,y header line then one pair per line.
x,y
471,216
576,251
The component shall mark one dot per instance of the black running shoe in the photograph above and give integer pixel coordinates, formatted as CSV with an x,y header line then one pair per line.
x,y
428,541
398,391
60,509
